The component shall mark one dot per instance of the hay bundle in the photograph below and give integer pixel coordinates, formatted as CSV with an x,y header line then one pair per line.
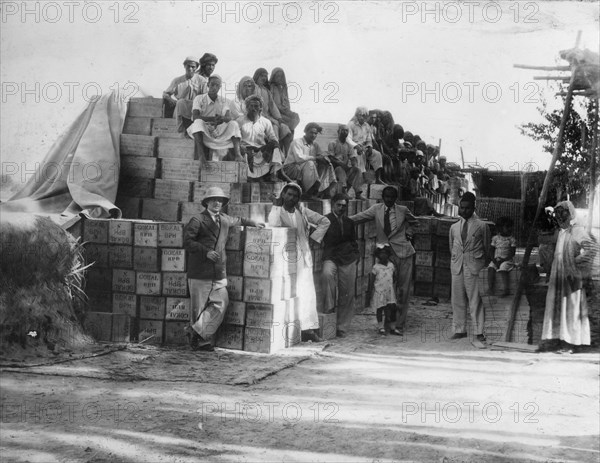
x,y
40,279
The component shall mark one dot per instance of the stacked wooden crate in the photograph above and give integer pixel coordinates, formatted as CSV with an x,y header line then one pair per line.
x,y
432,258
269,263
138,272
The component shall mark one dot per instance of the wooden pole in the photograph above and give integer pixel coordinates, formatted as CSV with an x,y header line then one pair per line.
x,y
542,68
542,200
593,150
462,157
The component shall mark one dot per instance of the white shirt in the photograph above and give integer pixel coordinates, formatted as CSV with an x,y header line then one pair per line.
x,y
210,108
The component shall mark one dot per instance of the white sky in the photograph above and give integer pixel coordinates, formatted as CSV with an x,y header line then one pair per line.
x,y
377,54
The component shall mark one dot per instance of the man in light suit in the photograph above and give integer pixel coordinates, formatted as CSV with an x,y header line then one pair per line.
x,y
393,224
204,240
470,249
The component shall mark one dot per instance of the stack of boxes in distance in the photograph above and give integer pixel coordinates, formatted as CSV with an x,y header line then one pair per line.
x,y
138,280
263,311
432,258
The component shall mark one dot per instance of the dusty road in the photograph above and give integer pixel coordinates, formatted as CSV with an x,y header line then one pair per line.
x,y
363,398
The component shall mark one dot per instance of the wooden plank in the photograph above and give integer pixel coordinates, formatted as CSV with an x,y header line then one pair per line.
x,y
137,145
130,207
180,148
522,347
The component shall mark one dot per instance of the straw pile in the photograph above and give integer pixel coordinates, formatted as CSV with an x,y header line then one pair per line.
x,y
40,279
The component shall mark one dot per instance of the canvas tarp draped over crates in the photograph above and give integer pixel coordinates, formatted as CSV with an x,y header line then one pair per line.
x,y
81,170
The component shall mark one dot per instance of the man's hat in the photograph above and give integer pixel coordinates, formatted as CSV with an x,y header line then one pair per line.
x,y
191,59
215,192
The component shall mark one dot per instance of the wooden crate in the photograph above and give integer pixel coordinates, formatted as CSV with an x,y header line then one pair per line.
x,y
423,289
145,234
152,307
263,291
235,263
180,169
170,235
151,331
266,315
173,260
236,313
158,209
138,125
175,284
425,225
99,279
95,231
190,210
180,148
99,301
130,207
178,308
172,190
120,232
176,333
139,166
148,283
327,325
125,303
443,226
137,145
230,337
264,340
164,128
235,239
145,107
268,265
423,274
424,258
122,328
96,254
423,242
98,325
120,256
235,287
146,259
123,281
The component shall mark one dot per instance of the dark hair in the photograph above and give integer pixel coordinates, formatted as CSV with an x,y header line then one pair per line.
x,y
504,221
338,197
384,250
390,188
468,197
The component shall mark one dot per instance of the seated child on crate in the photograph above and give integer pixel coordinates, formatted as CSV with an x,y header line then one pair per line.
x,y
382,289
504,246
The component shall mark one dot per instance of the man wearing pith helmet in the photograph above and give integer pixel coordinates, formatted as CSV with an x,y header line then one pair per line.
x,y
181,92
204,241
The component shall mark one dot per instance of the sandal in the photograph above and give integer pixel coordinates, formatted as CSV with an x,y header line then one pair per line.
x,y
381,331
397,332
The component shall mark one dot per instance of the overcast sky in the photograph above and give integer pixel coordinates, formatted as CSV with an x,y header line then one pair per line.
x,y
444,70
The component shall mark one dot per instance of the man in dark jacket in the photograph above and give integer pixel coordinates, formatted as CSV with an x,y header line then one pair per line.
x,y
204,241
340,255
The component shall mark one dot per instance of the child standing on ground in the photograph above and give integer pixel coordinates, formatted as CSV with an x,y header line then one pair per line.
x,y
382,291
503,248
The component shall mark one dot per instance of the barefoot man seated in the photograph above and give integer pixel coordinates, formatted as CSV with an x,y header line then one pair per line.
x,y
306,163
259,142
213,127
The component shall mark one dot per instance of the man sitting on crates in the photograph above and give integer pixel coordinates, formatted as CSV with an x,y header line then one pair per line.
x,y
306,164
179,95
259,143
213,127
345,161
204,240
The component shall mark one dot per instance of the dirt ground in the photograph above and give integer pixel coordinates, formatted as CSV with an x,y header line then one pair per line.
x,y
420,398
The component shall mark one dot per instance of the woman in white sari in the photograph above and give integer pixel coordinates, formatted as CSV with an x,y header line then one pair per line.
x,y
287,213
